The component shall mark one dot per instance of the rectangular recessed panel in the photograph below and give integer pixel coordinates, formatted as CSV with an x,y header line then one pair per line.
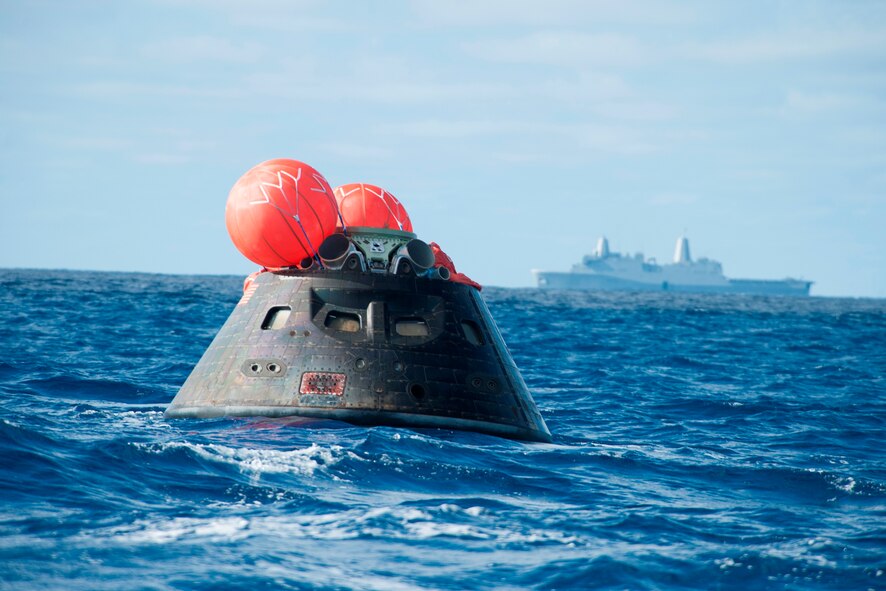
x,y
343,321
411,327
276,318
322,382
472,332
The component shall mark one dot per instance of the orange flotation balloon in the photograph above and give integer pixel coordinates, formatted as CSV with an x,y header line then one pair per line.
x,y
279,212
361,204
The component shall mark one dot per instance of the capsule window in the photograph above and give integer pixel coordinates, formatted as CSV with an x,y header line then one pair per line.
x,y
343,321
411,327
472,332
276,318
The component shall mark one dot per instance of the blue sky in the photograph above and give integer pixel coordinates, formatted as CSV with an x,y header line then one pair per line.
x,y
514,132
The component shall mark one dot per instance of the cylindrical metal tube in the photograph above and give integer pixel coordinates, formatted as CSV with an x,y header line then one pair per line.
x,y
334,250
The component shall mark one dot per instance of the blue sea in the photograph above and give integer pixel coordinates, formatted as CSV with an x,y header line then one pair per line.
x,y
700,442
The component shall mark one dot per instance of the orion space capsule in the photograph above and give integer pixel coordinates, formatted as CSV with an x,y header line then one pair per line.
x,y
352,318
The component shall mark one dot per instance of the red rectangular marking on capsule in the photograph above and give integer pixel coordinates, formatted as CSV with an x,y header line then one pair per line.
x,y
322,382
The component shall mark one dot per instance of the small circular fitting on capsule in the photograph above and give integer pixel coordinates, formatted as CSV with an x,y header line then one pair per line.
x,y
417,391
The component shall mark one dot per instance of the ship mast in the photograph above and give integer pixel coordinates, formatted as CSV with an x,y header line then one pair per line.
x,y
602,250
681,252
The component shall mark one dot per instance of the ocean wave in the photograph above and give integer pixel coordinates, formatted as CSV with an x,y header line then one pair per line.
x,y
256,462
398,523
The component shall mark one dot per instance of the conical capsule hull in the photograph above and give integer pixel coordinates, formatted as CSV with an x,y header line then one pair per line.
x,y
366,348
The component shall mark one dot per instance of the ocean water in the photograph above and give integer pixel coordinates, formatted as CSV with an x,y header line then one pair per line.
x,y
700,442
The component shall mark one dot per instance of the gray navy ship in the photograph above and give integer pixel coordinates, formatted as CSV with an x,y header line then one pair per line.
x,y
606,270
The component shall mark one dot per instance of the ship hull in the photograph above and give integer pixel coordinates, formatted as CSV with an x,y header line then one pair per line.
x,y
593,281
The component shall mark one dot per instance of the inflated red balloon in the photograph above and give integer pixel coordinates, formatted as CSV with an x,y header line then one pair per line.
x,y
361,204
279,213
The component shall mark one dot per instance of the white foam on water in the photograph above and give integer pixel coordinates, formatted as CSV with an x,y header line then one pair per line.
x,y
802,550
404,514
657,452
256,462
427,529
450,508
390,523
846,484
151,419
332,575
115,420
422,525
176,529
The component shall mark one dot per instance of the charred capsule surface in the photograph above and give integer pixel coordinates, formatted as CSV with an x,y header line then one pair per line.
x,y
365,345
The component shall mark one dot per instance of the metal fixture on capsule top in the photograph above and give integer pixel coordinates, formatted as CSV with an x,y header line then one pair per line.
x,y
337,252
413,257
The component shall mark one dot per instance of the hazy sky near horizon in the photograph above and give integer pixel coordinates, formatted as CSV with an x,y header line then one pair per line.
x,y
514,132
